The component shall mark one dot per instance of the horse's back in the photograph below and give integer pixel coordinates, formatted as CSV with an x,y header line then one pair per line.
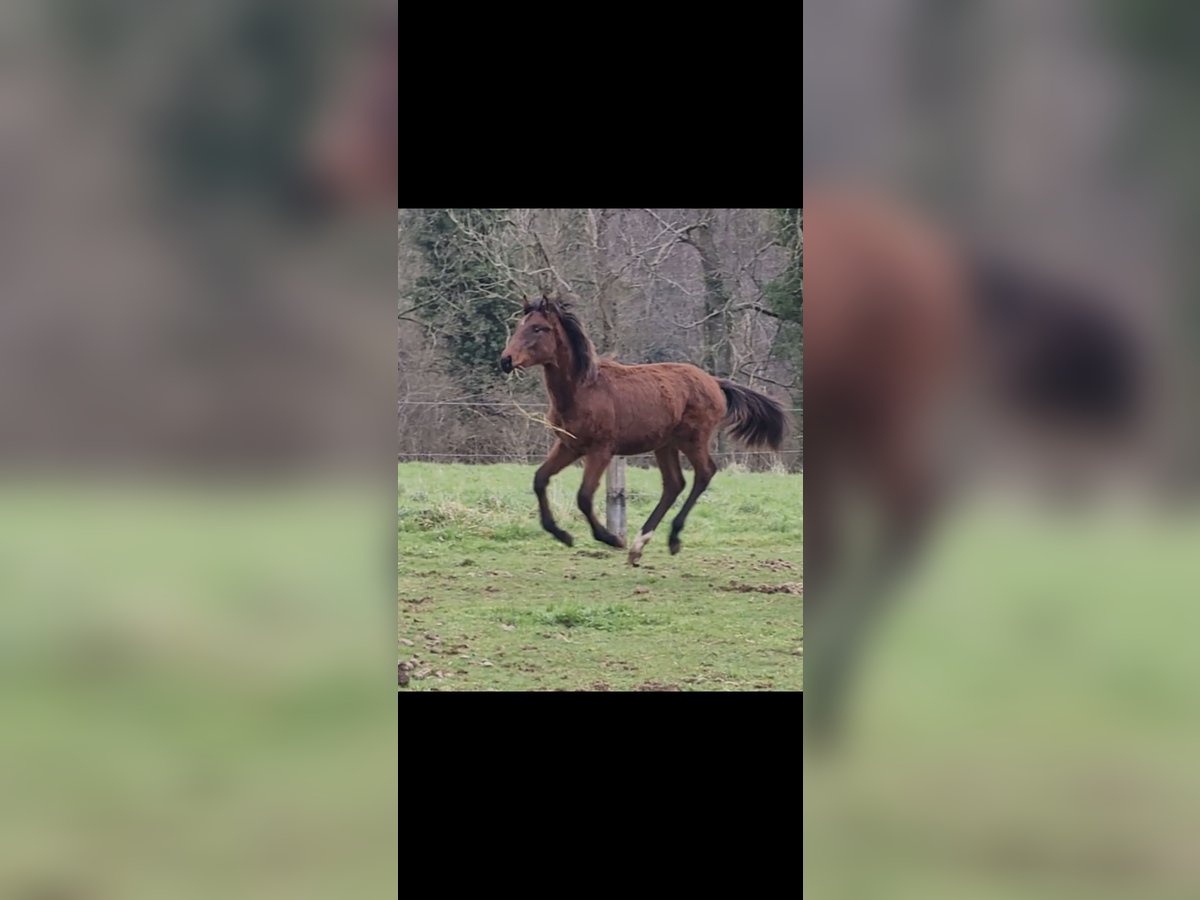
x,y
886,311
657,402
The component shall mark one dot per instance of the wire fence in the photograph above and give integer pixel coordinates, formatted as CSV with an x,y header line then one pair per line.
x,y
506,403
523,452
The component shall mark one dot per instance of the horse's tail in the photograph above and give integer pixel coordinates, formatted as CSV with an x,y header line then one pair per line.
x,y
753,418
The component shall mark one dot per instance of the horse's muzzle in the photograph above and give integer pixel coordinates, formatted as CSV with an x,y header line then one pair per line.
x,y
506,364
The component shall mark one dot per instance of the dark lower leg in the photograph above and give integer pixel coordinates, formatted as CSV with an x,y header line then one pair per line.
x,y
593,469
673,484
705,469
558,459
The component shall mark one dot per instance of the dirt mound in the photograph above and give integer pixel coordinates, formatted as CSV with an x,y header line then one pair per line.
x,y
788,587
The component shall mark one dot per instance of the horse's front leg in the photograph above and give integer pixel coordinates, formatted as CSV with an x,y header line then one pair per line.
x,y
559,458
593,468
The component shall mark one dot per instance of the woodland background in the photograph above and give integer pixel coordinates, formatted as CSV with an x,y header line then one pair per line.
x,y
719,288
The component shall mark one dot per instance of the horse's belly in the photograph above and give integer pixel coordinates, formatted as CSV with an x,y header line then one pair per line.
x,y
633,448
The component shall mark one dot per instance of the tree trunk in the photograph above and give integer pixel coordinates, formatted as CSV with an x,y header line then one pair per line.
x,y
597,225
717,350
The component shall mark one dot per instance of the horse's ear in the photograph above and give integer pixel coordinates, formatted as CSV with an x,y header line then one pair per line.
x,y
526,307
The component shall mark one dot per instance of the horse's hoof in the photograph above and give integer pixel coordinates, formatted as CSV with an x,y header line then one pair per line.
x,y
612,540
566,538
635,552
675,545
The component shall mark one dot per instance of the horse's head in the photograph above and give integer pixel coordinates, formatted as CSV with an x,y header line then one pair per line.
x,y
547,333
537,338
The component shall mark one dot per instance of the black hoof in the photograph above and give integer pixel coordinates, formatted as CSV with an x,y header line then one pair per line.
x,y
565,538
611,539
674,545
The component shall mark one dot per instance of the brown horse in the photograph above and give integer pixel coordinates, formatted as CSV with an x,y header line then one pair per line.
x,y
348,161
904,321
601,409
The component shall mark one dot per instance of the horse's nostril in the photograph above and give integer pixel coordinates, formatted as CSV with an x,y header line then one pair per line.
x,y
506,363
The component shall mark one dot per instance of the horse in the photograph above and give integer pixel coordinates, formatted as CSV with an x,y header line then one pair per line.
x,y
348,159
905,322
600,408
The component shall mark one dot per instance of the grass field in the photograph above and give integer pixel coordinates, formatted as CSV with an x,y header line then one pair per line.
x,y
489,601
1028,718
191,691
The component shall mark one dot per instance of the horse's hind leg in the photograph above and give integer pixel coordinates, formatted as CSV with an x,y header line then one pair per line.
x,y
559,458
593,467
673,484
705,468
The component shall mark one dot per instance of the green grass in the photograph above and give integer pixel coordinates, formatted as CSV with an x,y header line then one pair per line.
x,y
492,602
187,673
1027,720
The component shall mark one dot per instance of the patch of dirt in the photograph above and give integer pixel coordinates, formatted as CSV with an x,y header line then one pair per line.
x,y
467,562
618,664
499,573
594,554
600,686
641,590
775,565
416,601
788,587
656,686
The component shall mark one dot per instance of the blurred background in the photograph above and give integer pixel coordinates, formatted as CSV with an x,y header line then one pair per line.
x,y
1001,210
196,465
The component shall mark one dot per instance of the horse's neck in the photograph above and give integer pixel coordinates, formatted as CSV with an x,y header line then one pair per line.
x,y
560,387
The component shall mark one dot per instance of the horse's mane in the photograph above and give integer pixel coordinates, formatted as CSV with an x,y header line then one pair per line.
x,y
583,353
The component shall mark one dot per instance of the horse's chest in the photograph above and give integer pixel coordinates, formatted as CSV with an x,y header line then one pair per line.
x,y
580,428
567,429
